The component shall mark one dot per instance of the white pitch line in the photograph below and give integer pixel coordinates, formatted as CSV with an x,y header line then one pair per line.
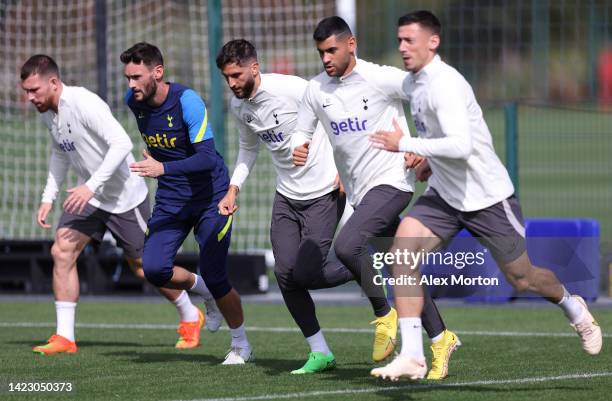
x,y
416,386
145,326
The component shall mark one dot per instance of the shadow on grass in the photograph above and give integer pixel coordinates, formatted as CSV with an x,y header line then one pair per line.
x,y
407,391
353,376
275,366
81,344
162,357
350,373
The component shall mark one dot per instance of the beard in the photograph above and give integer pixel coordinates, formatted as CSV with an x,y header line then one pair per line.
x,y
149,90
44,106
247,89
342,66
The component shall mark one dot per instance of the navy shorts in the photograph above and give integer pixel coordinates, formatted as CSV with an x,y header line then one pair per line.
x,y
167,229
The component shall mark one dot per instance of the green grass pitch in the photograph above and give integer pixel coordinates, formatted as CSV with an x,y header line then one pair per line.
x,y
502,358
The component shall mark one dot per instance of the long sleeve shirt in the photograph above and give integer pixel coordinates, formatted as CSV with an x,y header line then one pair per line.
x,y
350,108
455,138
86,137
269,118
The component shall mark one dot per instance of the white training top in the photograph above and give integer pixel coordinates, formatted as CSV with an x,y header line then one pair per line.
x,y
270,117
455,138
86,137
351,108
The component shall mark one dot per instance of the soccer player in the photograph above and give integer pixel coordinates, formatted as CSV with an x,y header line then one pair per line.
x,y
352,99
191,179
468,188
308,203
86,137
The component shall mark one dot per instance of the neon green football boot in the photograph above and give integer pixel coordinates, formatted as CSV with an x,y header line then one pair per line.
x,y
317,362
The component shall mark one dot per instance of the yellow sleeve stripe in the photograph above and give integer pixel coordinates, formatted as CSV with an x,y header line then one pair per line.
x,y
202,130
226,227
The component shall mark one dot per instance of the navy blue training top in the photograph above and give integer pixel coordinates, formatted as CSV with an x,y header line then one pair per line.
x,y
177,134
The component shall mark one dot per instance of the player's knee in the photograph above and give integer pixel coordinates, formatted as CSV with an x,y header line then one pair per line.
x,y
219,286
347,252
412,228
284,276
309,262
158,277
156,273
138,272
56,252
63,255
302,277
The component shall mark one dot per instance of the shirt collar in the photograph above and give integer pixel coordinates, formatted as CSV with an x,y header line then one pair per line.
x,y
65,95
354,71
64,99
430,68
262,88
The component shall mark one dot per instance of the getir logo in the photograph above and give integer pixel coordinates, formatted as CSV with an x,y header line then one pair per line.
x,y
271,136
67,146
159,141
351,124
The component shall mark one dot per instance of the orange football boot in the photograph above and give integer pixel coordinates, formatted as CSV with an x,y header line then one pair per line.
x,y
56,344
190,333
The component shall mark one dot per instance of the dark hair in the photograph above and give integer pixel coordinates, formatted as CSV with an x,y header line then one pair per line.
x,y
236,52
40,64
331,26
424,18
143,52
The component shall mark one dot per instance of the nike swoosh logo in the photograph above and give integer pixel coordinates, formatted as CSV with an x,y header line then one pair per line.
x,y
327,105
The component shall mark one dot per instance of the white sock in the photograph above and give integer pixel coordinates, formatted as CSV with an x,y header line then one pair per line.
x,y
318,344
574,310
239,338
65,312
412,340
186,310
199,287
437,338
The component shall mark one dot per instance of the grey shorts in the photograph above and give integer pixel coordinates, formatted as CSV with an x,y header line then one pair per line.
x,y
302,231
499,227
127,228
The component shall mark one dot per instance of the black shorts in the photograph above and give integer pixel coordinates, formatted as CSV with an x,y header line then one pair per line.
x,y
499,227
127,228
